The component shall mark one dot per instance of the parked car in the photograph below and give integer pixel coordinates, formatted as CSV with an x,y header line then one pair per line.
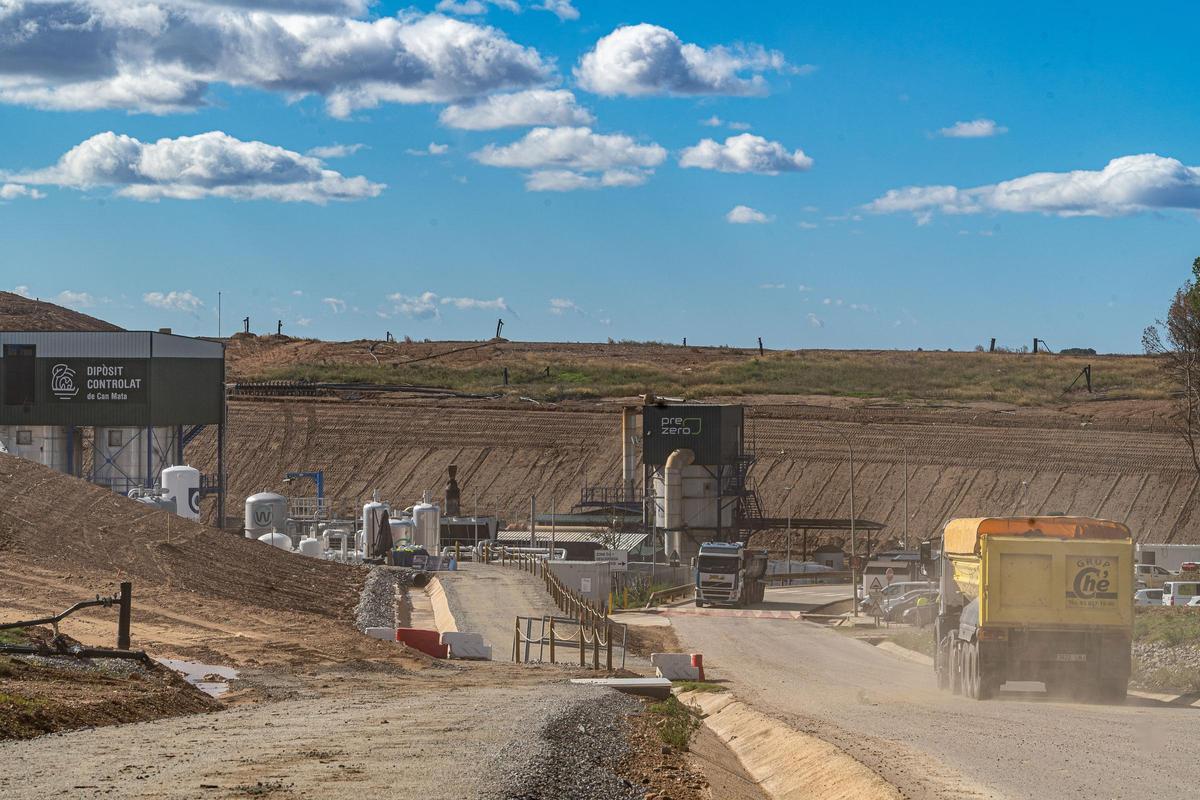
x,y
1179,593
1152,574
894,590
921,615
1148,597
1193,603
893,608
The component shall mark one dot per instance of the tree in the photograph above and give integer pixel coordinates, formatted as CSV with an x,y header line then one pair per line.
x,y
1178,347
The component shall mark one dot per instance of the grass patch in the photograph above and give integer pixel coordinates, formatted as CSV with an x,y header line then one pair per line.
x,y
674,721
13,636
1020,379
22,703
1168,626
920,640
698,686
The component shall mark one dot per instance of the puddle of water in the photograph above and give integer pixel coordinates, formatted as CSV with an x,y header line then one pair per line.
x,y
195,674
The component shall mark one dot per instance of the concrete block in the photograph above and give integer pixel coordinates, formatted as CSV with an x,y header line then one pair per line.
x,y
381,633
677,666
467,645
424,640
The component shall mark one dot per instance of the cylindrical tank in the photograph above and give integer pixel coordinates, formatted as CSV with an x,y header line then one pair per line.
x,y
129,457
312,546
265,512
365,520
183,485
276,539
403,529
45,444
427,521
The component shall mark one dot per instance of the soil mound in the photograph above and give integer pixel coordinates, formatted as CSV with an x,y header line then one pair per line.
x,y
19,313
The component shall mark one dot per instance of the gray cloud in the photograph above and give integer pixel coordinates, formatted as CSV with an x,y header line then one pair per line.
x,y
519,109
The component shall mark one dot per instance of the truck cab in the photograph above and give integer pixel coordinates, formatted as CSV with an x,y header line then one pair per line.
x,y
729,573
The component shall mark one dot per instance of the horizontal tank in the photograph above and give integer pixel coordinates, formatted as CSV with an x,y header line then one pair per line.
x,y
125,457
280,540
312,546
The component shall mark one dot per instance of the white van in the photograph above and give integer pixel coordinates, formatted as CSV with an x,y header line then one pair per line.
x,y
1179,593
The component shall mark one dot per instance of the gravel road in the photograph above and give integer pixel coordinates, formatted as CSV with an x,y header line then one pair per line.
x,y
364,734
886,712
487,598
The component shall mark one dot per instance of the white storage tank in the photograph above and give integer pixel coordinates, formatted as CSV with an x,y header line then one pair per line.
x,y
312,546
183,485
427,521
126,458
276,539
265,512
45,444
364,521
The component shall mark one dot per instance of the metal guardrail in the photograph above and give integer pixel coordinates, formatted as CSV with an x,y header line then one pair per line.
x,y
663,594
584,639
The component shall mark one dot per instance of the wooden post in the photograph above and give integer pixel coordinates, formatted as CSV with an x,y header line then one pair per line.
x,y
595,647
123,617
582,643
517,640
608,645
552,640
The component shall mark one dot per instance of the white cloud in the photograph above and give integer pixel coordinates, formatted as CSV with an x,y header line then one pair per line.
x,y
1126,185
75,299
297,292
192,167
807,226
303,322
772,286
564,159
562,305
651,60
472,8
744,153
335,150
975,129
336,304
745,215
421,306
174,301
22,290
433,149
803,288
716,122
563,9
516,110
11,191
162,57
814,321
472,303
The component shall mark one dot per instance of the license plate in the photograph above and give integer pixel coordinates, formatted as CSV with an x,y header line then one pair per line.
x,y
1071,657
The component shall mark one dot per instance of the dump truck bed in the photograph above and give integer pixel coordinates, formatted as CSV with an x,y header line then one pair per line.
x,y
1039,582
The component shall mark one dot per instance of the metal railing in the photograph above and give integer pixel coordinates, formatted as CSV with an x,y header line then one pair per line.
x,y
565,634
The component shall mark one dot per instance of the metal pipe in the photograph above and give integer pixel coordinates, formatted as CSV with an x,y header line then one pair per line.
x,y
849,440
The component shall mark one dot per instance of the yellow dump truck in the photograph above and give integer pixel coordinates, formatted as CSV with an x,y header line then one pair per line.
x,y
1045,599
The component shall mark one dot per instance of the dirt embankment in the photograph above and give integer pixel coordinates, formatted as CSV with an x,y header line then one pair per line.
x,y
19,313
1118,460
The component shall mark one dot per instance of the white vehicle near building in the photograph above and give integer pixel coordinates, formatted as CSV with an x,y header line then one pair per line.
x,y
1148,597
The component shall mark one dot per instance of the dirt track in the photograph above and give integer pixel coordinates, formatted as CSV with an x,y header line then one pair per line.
x,y
1119,461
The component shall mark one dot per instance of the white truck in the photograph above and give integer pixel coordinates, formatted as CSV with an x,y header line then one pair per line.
x,y
731,574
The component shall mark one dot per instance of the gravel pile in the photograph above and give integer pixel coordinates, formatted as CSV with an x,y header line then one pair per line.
x,y
377,603
1156,655
575,752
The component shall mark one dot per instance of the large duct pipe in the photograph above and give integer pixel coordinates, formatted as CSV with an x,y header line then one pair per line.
x,y
629,451
673,490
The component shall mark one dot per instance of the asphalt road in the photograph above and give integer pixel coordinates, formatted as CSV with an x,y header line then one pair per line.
x,y
804,598
887,713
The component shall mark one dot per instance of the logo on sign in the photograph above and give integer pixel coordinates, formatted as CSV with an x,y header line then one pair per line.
x,y
62,382
194,501
262,516
1092,584
681,426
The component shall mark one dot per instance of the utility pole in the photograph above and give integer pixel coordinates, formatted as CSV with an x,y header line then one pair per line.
x,y
854,571
789,535
532,521
218,315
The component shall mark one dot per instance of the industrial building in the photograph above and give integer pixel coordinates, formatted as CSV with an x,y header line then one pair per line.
x,y
114,407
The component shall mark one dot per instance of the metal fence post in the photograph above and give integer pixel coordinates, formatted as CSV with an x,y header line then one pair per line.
x,y
551,640
608,645
582,643
517,640
123,617
595,647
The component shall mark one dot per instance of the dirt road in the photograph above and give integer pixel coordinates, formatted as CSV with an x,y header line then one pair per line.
x,y
888,714
363,735
487,598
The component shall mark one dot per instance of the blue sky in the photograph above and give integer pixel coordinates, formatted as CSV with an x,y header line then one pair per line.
x,y
571,235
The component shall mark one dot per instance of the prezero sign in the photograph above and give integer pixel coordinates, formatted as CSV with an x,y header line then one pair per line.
x,y
681,426
87,380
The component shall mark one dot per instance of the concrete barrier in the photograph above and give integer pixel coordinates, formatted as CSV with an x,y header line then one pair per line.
x,y
678,666
388,634
443,617
467,645
426,641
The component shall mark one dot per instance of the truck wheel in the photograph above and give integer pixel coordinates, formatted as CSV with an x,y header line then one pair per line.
x,y
971,671
941,666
